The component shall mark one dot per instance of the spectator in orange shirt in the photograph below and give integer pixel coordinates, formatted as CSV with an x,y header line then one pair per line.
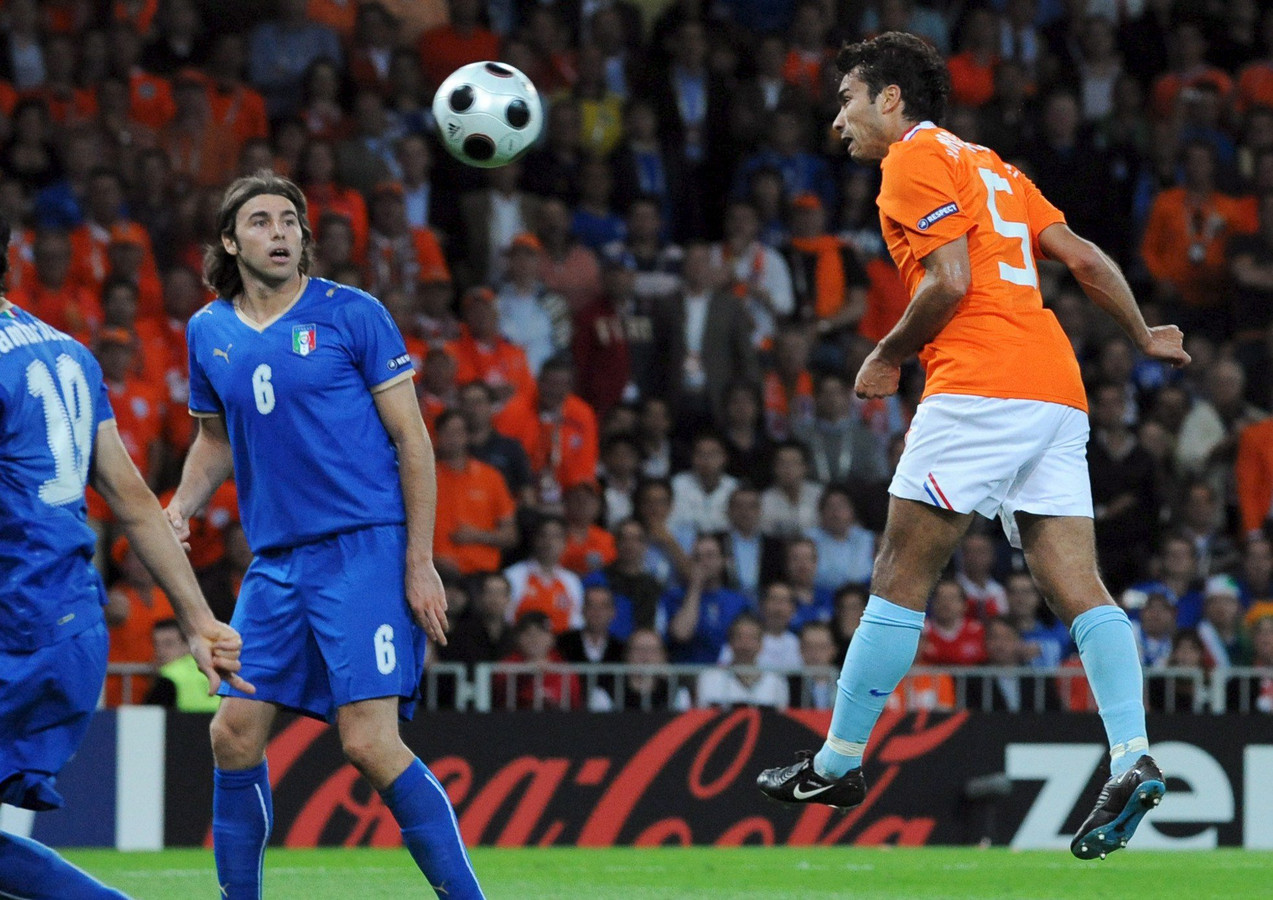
x,y
558,430
234,104
445,48
103,205
150,100
437,387
324,192
126,258
139,15
483,354
138,405
1254,469
184,294
788,385
542,585
474,510
972,69
1191,69
49,291
133,605
197,145
67,102
1184,243
119,310
397,254
589,547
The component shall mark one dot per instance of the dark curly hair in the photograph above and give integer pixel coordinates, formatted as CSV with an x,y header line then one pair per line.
x,y
220,268
906,61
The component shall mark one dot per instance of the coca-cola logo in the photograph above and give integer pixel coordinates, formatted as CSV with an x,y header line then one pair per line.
x,y
612,780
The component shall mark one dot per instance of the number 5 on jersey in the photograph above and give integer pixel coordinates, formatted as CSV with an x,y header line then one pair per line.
x,y
1026,275
262,390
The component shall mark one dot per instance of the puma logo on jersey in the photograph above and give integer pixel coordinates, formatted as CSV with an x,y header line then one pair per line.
x,y
937,215
225,354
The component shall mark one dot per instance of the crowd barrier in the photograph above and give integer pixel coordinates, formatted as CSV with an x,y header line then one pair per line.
x,y
520,778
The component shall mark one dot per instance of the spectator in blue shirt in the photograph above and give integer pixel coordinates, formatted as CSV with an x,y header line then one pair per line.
x,y
281,50
699,615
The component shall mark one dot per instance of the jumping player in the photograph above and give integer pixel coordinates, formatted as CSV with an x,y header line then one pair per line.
x,y
57,433
303,389
1001,429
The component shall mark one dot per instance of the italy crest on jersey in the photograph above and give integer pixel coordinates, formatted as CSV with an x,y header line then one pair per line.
x,y
304,339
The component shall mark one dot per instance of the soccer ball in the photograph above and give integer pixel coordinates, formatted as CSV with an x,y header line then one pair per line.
x,y
488,114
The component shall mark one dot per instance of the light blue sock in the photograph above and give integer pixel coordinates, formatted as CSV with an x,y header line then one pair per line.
x,y
432,835
1108,650
31,871
882,649
242,818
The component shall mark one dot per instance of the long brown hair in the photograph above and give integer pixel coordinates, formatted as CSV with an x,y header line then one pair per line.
x,y
220,268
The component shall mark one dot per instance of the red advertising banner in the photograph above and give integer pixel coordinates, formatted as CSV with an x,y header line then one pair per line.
x,y
538,779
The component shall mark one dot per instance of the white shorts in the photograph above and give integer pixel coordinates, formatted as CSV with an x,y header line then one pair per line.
x,y
996,457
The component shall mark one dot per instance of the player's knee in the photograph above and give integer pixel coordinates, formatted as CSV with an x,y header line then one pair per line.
x,y
235,744
364,749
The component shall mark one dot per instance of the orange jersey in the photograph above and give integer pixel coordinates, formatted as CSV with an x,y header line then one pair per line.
x,y
1000,342
590,551
497,363
130,641
475,495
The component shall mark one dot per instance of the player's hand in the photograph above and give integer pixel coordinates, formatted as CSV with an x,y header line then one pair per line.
x,y
215,647
1166,342
877,378
427,599
180,525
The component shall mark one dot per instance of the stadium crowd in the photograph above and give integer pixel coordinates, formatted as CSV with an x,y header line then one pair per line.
x,y
635,347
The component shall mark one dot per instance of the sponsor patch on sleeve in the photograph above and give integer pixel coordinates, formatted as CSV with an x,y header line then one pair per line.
x,y
399,361
936,215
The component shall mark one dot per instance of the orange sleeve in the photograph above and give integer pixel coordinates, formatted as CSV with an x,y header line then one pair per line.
x,y
919,193
429,256
1254,471
518,420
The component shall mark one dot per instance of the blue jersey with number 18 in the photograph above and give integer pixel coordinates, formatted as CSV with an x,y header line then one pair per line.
x,y
311,456
52,399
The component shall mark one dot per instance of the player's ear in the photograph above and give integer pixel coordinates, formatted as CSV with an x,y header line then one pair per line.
x,y
230,244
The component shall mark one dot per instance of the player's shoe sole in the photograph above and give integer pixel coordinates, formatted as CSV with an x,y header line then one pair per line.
x,y
1123,802
799,783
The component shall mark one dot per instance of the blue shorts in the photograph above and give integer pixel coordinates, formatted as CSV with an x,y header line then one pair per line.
x,y
47,699
327,623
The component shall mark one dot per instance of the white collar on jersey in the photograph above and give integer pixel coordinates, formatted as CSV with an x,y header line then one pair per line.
x,y
917,128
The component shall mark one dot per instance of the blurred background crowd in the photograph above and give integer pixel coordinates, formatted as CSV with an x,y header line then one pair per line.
x,y
635,347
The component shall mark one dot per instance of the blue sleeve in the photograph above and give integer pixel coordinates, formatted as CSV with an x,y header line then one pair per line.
x,y
377,346
203,398
102,411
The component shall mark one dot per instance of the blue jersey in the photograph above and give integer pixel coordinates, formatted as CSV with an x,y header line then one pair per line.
x,y
311,456
52,399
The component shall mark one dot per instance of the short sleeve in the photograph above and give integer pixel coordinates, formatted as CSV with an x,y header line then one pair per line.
x,y
1038,209
379,352
918,191
102,411
203,397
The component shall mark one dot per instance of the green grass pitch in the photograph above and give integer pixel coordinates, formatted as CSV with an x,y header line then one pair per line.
x,y
774,873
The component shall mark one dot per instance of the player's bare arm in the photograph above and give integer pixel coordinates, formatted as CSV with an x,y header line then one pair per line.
x,y
214,645
1102,281
947,274
209,463
400,414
